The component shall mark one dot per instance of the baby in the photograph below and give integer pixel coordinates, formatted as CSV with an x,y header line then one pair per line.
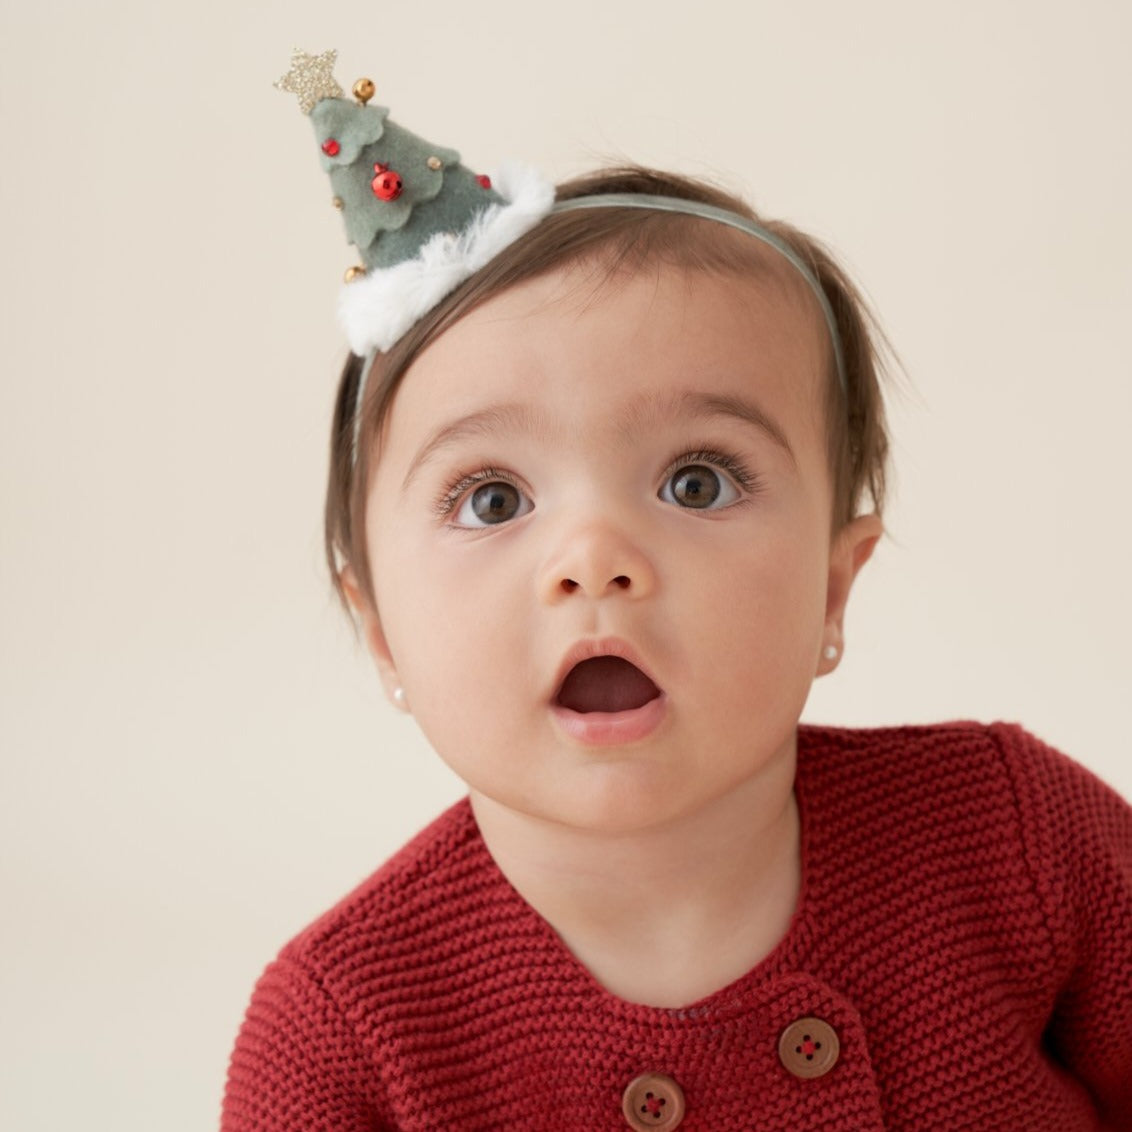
x,y
605,464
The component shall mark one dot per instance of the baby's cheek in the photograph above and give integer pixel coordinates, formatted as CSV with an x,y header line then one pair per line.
x,y
777,610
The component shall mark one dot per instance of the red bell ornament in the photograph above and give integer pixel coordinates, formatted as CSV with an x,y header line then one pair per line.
x,y
387,183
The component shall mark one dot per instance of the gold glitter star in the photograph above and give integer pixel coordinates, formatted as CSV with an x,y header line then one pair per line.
x,y
311,77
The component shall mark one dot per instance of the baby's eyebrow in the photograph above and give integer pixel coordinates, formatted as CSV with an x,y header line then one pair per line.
x,y
650,411
508,417
641,416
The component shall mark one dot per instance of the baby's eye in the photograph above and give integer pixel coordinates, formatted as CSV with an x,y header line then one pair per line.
x,y
699,487
492,503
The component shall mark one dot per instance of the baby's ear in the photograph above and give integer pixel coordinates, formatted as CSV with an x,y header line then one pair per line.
x,y
374,635
852,547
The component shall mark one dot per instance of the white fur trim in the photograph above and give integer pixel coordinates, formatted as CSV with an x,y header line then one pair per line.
x,y
378,308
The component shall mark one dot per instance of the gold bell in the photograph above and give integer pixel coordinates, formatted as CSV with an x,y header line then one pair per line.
x,y
353,273
337,202
364,90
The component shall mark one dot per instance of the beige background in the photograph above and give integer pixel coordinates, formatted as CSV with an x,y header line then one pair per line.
x,y
195,757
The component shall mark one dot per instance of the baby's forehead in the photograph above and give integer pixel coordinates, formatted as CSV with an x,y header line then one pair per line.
x,y
638,348
756,299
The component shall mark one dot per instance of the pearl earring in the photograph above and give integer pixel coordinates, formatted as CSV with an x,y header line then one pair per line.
x,y
399,698
830,652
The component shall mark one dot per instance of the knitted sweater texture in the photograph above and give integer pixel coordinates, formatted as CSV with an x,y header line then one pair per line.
x,y
964,926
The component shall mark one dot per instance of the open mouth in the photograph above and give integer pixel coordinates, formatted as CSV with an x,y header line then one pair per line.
x,y
605,684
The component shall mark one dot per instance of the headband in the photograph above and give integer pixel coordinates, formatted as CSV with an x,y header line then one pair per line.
x,y
423,223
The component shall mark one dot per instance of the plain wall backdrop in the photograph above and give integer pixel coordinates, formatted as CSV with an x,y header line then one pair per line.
x,y
196,758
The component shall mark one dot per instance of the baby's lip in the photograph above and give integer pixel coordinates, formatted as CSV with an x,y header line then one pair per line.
x,y
601,646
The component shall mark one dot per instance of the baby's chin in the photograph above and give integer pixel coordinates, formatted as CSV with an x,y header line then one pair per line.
x,y
612,796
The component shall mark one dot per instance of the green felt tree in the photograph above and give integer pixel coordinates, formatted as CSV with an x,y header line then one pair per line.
x,y
396,190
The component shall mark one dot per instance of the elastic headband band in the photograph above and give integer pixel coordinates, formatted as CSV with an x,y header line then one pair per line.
x,y
653,203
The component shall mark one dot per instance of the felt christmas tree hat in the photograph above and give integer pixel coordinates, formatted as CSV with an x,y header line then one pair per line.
x,y
421,221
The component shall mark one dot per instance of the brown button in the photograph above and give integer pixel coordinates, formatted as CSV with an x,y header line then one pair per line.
x,y
809,1048
653,1101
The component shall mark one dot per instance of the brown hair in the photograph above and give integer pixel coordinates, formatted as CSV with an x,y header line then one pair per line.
x,y
622,239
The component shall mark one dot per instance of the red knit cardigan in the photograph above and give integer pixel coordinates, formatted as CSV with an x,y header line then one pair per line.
x,y
965,929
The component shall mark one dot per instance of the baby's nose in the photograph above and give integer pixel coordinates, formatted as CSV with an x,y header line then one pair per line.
x,y
597,559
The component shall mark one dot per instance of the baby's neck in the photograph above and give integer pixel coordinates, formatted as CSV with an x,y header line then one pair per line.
x,y
663,917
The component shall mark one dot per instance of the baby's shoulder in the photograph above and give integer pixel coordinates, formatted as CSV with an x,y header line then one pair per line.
x,y
986,792
1000,761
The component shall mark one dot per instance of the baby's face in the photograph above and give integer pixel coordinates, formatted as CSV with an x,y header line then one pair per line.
x,y
635,470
